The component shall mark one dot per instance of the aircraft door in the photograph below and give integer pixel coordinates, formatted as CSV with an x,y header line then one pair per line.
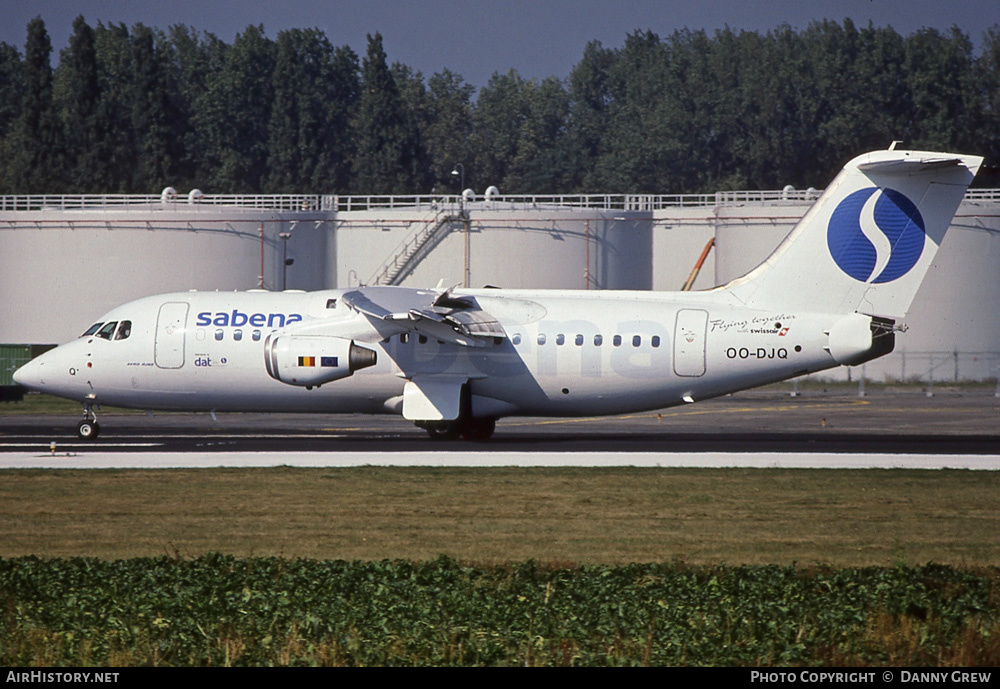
x,y
689,342
168,348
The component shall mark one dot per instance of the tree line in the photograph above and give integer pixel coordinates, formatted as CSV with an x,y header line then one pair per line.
x,y
132,110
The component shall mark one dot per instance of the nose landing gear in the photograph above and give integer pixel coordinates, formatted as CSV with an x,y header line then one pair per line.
x,y
88,429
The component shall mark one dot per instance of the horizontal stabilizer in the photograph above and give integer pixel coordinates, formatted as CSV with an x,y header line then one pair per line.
x,y
909,166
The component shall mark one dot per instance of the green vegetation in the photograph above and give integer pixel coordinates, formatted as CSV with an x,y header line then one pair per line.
x,y
600,516
35,403
133,110
503,566
219,610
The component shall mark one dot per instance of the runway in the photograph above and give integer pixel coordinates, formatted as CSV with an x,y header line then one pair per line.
x,y
887,429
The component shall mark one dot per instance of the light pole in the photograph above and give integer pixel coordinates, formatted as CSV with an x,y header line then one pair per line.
x,y
459,169
285,261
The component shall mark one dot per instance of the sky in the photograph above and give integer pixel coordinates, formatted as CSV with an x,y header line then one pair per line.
x,y
477,38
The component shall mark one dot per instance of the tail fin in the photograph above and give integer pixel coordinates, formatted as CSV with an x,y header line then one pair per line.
x,y
868,241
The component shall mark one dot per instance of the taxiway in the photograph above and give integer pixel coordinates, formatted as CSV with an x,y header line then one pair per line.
x,y
957,428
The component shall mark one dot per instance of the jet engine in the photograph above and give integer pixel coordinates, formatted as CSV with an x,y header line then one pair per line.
x,y
313,360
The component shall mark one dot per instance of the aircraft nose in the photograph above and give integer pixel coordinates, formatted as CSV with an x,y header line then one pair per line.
x,y
29,375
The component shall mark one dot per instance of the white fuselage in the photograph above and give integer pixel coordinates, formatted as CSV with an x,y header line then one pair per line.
x,y
565,353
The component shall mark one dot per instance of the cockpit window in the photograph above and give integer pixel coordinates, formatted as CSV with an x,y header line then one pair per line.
x,y
92,329
124,330
108,330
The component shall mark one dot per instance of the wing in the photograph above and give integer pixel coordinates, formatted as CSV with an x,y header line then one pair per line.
x,y
441,315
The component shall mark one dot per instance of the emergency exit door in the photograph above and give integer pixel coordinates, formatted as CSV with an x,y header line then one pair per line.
x,y
168,348
689,342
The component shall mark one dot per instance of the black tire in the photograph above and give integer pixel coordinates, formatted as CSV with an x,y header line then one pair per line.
x,y
479,429
445,430
88,430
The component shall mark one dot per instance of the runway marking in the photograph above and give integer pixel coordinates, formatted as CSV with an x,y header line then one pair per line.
x,y
198,436
88,445
693,460
693,412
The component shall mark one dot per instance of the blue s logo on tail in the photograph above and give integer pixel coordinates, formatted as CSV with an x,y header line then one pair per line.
x,y
876,235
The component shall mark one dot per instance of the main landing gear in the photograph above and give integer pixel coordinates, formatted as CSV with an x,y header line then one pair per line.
x,y
88,429
470,429
465,426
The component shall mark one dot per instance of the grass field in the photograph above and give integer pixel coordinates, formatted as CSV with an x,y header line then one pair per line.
x,y
563,516
343,566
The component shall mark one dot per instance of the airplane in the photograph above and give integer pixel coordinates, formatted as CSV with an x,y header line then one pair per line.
x,y
454,361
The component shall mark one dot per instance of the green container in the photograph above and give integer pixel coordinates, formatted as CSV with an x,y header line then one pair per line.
x,y
11,358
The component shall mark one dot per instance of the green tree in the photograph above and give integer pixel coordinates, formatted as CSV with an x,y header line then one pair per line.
x,y
188,60
33,150
11,94
639,145
520,138
497,120
940,78
414,105
447,128
315,89
159,147
590,102
544,161
116,147
234,114
77,97
389,151
988,78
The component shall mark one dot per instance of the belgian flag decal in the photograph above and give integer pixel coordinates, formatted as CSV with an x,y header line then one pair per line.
x,y
324,361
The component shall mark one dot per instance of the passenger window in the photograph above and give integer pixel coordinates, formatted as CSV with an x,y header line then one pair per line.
x,y
219,334
516,339
656,340
560,339
331,303
108,330
598,340
541,338
579,340
237,335
256,336
92,329
636,340
124,330
404,338
422,339
617,341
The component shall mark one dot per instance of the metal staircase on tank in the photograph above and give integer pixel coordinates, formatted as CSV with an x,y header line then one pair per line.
x,y
413,249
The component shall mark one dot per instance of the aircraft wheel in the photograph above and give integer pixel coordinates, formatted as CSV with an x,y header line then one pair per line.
x,y
442,431
88,430
479,429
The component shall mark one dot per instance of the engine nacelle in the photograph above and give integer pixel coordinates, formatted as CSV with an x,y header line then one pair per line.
x,y
310,360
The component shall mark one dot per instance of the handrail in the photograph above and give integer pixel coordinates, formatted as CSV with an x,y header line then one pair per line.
x,y
417,202
235,202
410,246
